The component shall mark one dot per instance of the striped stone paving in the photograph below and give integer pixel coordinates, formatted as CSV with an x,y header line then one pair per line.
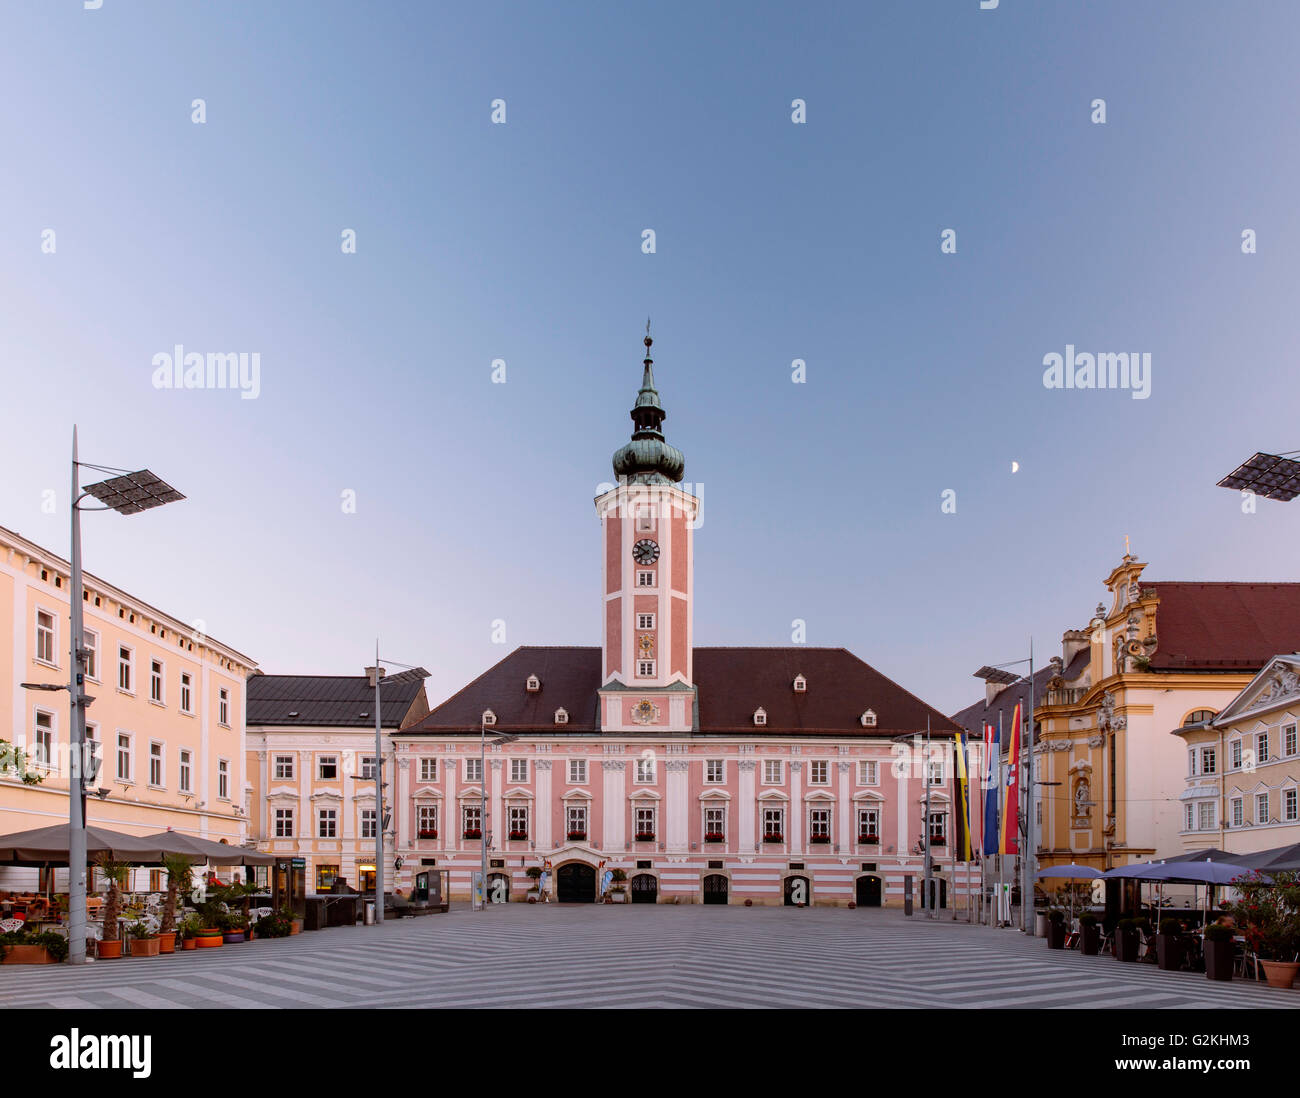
x,y
519,955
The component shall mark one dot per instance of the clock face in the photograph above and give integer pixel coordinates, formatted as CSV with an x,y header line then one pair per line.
x,y
645,551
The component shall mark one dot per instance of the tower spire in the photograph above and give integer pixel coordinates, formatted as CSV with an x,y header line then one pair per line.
x,y
648,458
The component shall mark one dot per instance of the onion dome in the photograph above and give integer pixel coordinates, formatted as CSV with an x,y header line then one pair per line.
x,y
648,459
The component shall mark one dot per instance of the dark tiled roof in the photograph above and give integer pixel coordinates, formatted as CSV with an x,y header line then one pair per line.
x,y
334,700
731,682
1223,626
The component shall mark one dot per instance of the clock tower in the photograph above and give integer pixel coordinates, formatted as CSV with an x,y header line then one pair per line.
x,y
647,520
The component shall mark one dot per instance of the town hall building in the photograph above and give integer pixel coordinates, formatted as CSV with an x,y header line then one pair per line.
x,y
708,775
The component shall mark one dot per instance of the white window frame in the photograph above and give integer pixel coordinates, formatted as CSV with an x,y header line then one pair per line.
x,y
1189,817
119,752
645,579
1290,805
1237,810
369,823
185,765
330,817
44,755
158,756
283,768
645,621
187,693
646,772
1261,817
127,665
518,771
50,637
816,767
429,769
282,823
321,761
819,822
575,819
774,821
770,765
644,821
94,752
645,669
90,642
223,706
474,771
869,823
366,773
577,771
715,771
1209,759
1207,815
157,681
868,772
938,773
1261,747
1234,754
423,814
223,779
517,820
1290,741
716,813
471,811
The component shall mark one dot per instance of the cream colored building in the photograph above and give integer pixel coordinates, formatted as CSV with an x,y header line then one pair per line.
x,y
1242,768
311,791
167,718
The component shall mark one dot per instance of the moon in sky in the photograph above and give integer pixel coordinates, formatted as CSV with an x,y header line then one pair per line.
x,y
1015,466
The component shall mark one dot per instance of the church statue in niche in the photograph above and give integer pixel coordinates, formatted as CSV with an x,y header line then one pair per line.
x,y
1082,802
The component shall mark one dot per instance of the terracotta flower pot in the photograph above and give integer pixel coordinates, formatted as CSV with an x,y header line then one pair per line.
x,y
189,943
297,927
1280,973
107,951
167,942
208,939
145,947
27,955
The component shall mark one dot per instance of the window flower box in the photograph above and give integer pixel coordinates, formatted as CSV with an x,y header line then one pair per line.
x,y
938,840
773,837
715,837
645,836
867,838
517,836
576,835
427,834
472,833
819,838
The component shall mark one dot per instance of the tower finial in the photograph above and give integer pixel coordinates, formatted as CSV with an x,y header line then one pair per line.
x,y
647,340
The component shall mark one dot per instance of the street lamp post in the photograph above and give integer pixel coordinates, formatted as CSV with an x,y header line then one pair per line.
x,y
128,494
498,738
376,673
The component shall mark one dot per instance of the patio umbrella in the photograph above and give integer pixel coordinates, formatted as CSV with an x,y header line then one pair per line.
x,y
1279,858
1070,872
205,850
45,846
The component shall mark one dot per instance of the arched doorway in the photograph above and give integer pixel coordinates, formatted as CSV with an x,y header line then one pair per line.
x,y
868,892
645,889
498,890
715,888
575,883
798,890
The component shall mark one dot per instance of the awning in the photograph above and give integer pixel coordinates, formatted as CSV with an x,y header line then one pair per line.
x,y
205,850
44,846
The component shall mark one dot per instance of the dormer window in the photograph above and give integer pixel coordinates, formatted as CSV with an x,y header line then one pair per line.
x,y
489,717
561,716
760,716
533,685
800,684
868,719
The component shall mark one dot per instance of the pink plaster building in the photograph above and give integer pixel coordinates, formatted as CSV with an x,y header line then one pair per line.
x,y
708,775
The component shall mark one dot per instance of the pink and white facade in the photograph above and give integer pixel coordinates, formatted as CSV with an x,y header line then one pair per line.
x,y
726,775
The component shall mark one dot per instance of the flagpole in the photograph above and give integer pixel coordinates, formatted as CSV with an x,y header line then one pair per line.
x,y
1027,859
1002,809
929,899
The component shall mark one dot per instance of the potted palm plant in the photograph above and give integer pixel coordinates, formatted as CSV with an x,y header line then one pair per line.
x,y
180,877
189,930
1269,912
143,933
110,941
1089,935
234,926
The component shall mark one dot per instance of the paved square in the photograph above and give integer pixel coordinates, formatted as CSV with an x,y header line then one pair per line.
x,y
519,955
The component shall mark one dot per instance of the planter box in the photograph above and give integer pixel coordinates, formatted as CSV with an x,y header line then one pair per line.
x,y
1126,945
645,837
145,947
773,838
427,835
618,897
821,839
472,835
27,955
1090,941
107,951
518,836
1218,960
715,838
189,943
868,840
232,937
207,941
1169,951
1055,934
577,836
167,942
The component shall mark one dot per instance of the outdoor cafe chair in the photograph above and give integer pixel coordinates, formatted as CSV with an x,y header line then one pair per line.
x,y
8,926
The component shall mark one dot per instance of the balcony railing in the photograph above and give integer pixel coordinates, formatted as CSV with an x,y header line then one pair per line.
x,y
1070,695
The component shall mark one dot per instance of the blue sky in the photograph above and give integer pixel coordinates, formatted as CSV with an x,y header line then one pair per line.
x,y
775,241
